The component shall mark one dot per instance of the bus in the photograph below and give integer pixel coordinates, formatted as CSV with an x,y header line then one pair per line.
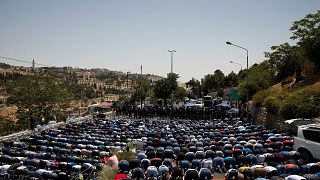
x,y
207,101
100,110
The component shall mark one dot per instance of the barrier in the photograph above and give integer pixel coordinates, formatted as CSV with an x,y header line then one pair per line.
x,y
40,128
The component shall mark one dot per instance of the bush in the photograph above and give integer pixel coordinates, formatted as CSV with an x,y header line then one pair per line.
x,y
301,104
294,108
271,103
125,155
107,173
304,103
260,96
6,126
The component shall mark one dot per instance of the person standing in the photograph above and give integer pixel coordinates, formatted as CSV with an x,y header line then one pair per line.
x,y
32,121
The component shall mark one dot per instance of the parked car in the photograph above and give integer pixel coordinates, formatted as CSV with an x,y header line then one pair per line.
x,y
307,142
298,121
199,104
291,125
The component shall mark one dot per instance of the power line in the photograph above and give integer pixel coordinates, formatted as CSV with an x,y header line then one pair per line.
x,y
24,61
30,62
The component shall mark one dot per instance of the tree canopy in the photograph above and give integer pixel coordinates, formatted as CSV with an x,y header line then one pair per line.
x,y
165,87
285,59
195,88
141,89
307,32
40,95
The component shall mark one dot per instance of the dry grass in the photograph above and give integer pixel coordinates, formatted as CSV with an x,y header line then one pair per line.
x,y
108,173
125,155
9,112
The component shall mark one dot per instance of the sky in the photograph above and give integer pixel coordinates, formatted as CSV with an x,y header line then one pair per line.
x,y
122,35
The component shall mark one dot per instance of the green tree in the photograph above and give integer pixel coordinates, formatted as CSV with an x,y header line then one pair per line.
x,y
260,76
41,95
242,74
231,80
140,91
161,90
122,101
180,93
213,82
307,32
195,88
285,59
219,79
208,83
172,80
165,87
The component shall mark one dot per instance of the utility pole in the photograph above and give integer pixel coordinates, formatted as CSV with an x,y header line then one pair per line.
x,y
141,100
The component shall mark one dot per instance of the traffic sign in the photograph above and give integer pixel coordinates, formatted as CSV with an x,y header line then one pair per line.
x,y
233,94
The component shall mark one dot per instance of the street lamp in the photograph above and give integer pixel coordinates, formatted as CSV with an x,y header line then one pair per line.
x,y
232,62
229,43
172,51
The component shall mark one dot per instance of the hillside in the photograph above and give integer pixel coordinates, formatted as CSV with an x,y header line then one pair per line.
x,y
97,82
289,84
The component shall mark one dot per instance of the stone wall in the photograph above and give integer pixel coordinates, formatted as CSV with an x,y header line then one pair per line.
x,y
262,117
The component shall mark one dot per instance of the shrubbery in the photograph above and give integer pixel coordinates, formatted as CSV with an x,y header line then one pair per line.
x,y
125,155
260,96
271,103
107,173
299,104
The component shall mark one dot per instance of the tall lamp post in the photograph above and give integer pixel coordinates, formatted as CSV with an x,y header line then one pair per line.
x,y
229,43
172,51
232,62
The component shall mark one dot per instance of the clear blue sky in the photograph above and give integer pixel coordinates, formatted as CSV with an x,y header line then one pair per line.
x,y
124,34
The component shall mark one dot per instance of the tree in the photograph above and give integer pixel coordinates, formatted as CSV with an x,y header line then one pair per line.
x,y
219,79
213,82
141,89
195,88
242,74
172,80
122,102
285,59
307,32
180,93
208,83
231,80
39,95
165,87
161,90
260,76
